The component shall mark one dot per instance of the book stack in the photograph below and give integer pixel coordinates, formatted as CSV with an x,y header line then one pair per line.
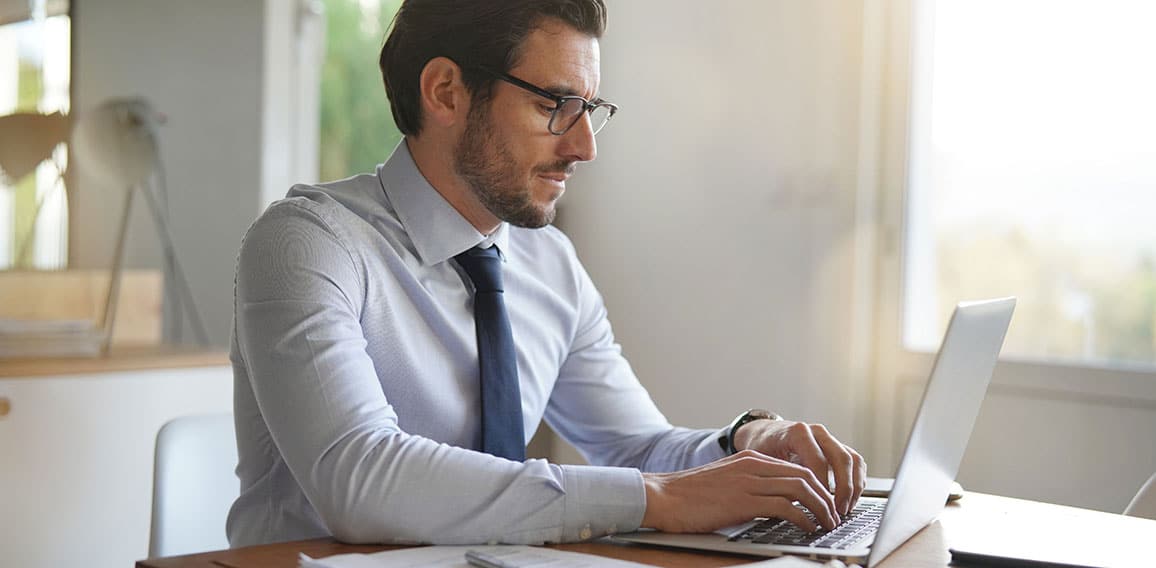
x,y
60,313
49,338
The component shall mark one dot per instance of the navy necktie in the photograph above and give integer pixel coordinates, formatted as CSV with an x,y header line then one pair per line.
x,y
502,433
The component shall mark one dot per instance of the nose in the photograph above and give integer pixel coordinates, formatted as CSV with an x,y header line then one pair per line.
x,y
578,143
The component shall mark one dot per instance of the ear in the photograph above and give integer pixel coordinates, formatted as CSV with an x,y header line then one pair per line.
x,y
444,98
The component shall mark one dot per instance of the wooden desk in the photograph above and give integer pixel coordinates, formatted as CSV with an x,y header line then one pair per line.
x,y
975,518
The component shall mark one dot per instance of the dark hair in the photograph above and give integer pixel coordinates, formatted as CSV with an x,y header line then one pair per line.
x,y
473,33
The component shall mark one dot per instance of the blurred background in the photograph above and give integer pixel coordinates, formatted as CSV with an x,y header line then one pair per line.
x,y
838,173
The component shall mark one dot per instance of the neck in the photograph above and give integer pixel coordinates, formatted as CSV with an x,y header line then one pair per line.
x,y
436,164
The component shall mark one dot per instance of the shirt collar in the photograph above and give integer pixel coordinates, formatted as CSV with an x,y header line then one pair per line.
x,y
437,230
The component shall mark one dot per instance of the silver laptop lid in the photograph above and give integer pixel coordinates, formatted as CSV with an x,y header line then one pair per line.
x,y
939,437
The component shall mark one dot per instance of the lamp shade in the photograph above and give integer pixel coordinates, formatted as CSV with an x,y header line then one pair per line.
x,y
26,139
116,144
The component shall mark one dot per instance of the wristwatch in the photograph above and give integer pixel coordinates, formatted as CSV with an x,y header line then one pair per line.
x,y
727,440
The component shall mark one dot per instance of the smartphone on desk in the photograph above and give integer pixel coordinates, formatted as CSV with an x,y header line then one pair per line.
x,y
881,487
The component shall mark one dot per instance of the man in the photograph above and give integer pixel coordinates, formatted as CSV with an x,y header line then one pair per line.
x,y
400,335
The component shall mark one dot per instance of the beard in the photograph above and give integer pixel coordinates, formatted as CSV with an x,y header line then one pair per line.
x,y
483,160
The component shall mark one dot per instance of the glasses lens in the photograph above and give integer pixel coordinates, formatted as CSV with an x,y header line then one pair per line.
x,y
571,111
566,115
599,116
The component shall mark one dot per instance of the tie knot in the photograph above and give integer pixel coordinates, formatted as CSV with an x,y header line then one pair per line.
x,y
484,267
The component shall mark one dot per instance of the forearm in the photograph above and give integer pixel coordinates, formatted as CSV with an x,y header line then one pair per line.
x,y
681,448
411,489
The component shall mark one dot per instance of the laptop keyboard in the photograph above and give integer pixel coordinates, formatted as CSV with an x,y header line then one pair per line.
x,y
857,525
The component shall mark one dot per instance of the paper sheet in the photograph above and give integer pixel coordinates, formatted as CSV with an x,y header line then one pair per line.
x,y
455,557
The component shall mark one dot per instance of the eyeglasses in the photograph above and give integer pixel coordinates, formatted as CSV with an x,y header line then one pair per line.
x,y
567,110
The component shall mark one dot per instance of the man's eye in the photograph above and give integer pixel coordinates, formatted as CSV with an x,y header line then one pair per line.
x,y
546,109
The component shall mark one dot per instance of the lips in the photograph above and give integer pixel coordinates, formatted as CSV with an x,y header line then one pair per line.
x,y
559,177
557,172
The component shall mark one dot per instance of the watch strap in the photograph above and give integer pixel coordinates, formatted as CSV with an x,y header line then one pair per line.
x,y
726,440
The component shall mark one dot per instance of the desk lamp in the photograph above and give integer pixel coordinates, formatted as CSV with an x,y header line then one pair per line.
x,y
116,144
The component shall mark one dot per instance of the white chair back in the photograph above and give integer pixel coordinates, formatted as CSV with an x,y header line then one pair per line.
x,y
1144,503
194,484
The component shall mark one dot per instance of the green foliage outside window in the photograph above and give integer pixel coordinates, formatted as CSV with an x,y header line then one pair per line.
x,y
357,129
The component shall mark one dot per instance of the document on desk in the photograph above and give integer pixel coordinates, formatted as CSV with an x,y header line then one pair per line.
x,y
455,557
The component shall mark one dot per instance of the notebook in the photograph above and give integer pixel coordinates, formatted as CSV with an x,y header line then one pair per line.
x,y
935,446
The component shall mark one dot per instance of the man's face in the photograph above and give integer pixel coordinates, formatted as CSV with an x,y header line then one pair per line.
x,y
507,155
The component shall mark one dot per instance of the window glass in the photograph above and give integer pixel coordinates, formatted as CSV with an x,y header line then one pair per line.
x,y
34,79
1033,173
357,129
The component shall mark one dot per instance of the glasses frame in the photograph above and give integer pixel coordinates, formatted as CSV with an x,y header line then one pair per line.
x,y
559,100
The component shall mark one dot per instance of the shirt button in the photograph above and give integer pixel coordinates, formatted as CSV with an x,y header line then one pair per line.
x,y
586,533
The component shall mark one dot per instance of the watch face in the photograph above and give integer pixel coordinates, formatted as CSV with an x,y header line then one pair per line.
x,y
760,414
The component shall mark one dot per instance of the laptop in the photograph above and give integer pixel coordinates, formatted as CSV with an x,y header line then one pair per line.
x,y
935,446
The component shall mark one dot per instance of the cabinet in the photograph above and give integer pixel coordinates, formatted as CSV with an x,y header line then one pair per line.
x,y
76,453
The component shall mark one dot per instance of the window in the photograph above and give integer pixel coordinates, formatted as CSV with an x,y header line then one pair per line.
x,y
357,130
1033,173
34,79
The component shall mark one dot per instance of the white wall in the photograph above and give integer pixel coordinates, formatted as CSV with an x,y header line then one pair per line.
x,y
215,68
733,160
717,220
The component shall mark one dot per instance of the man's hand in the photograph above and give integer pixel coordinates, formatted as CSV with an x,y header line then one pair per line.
x,y
813,447
735,489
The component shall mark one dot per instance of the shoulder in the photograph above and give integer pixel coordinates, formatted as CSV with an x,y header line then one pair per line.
x,y
297,220
311,231
295,230
357,197
334,207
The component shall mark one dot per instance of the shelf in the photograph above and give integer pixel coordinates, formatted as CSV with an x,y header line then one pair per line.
x,y
121,359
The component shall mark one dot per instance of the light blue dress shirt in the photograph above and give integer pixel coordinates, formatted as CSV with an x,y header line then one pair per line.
x,y
356,379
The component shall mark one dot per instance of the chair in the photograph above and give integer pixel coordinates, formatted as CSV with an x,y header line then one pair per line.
x,y
1144,503
194,484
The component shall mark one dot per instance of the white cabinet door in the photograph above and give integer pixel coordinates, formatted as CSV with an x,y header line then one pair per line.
x,y
76,461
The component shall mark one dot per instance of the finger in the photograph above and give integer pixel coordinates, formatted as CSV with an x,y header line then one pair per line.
x,y
776,477
799,490
842,465
769,467
818,488
802,443
781,508
860,477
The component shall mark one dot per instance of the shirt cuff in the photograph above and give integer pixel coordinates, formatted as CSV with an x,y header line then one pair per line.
x,y
714,450
601,501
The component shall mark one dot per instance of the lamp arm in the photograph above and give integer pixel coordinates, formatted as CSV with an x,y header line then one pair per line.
x,y
186,294
176,325
108,319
